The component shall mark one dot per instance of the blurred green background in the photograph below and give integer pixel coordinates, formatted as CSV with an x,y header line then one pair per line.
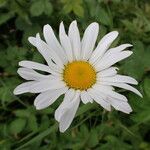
x,y
24,128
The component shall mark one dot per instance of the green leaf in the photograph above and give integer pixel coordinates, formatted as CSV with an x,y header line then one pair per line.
x,y
19,9
37,57
142,117
5,17
114,142
17,125
22,113
78,10
17,54
85,108
93,138
5,144
134,65
41,6
2,3
6,89
67,8
103,17
32,123
37,8
30,31
129,25
48,110
147,86
141,108
45,123
39,136
84,131
48,9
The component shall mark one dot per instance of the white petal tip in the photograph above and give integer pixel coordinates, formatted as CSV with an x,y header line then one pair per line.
x,y
62,23
116,68
47,29
116,33
38,108
128,53
20,63
85,102
62,130
126,111
130,45
113,35
16,91
46,26
32,40
19,70
95,24
38,35
74,22
34,103
108,109
135,82
139,94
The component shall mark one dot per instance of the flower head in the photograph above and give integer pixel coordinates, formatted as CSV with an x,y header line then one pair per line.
x,y
78,69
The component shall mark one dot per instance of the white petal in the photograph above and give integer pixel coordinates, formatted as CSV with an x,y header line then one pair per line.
x,y
24,87
85,97
45,85
67,99
45,99
30,74
65,42
45,51
117,49
119,78
75,39
120,105
32,40
48,53
54,68
111,36
98,85
107,90
106,62
107,72
89,40
124,86
35,65
102,46
53,42
69,113
99,98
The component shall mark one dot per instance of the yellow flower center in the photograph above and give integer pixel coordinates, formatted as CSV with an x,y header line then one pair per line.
x,y
79,75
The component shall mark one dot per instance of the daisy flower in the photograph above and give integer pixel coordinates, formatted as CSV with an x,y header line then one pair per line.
x,y
78,69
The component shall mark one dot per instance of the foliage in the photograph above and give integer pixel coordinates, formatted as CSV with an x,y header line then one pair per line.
x,y
24,128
